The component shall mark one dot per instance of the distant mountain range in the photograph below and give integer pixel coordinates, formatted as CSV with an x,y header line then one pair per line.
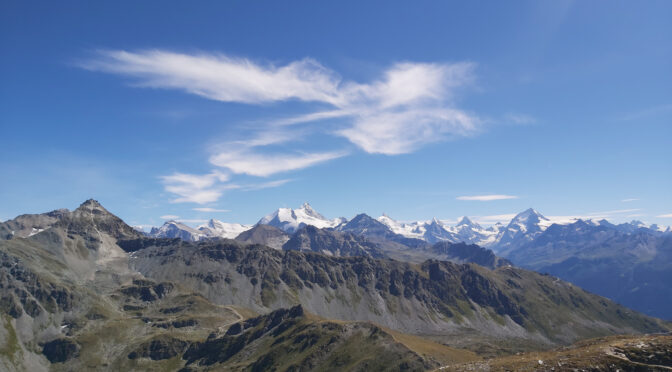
x,y
213,229
630,262
501,238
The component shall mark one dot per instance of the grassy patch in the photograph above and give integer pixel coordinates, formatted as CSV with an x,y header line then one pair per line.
x,y
11,345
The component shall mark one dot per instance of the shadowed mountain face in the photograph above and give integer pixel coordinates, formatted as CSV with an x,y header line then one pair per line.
x,y
469,253
371,228
266,235
631,267
331,243
88,291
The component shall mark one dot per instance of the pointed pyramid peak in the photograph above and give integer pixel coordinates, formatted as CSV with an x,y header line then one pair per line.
x,y
308,210
90,203
465,221
529,214
92,206
94,217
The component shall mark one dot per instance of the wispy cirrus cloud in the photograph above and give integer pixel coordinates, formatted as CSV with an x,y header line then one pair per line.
x,y
492,219
518,119
220,77
613,212
491,197
210,210
407,107
195,188
668,215
192,220
208,188
629,200
413,98
263,165
266,185
169,217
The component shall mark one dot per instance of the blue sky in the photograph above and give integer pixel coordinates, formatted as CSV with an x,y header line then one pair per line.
x,y
232,109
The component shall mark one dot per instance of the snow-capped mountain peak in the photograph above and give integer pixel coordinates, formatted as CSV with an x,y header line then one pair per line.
x,y
524,227
466,221
218,229
528,216
309,211
409,230
290,220
175,229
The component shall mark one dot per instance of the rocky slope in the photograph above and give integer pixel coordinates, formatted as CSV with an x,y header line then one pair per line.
x,y
615,353
468,253
439,299
331,243
265,235
64,288
293,340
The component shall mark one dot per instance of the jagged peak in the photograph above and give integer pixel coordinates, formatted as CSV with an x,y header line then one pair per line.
x,y
308,210
527,215
465,221
91,204
93,213
362,216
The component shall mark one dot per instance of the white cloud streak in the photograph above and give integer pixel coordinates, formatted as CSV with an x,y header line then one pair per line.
x,y
169,217
264,165
410,106
486,197
192,221
492,219
192,188
211,210
220,77
266,185
207,188
629,200
669,215
612,212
